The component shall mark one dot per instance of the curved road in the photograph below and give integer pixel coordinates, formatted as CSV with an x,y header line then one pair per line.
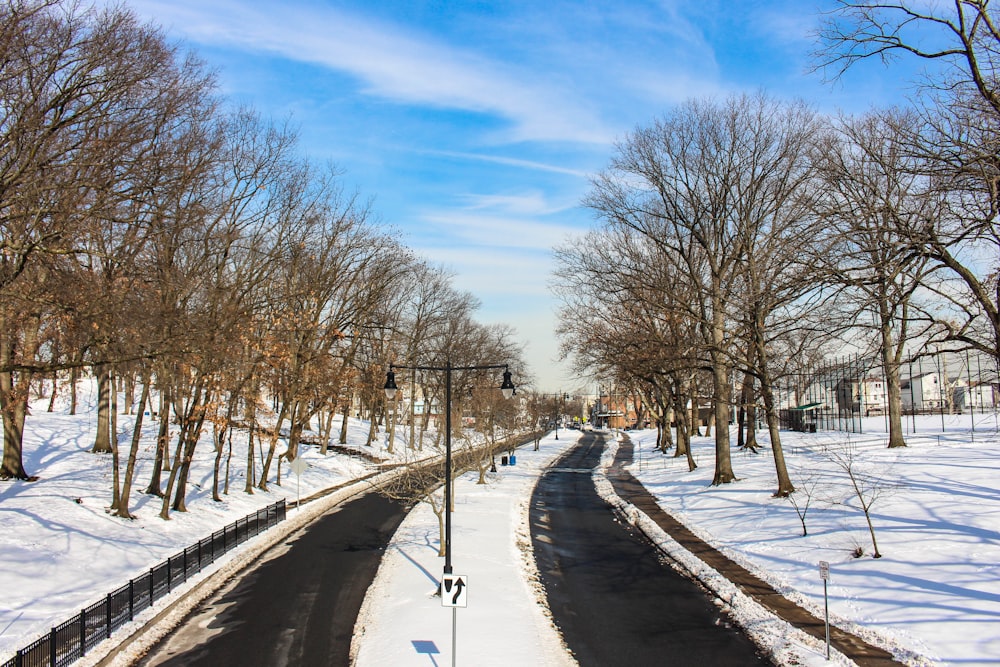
x,y
614,599
298,605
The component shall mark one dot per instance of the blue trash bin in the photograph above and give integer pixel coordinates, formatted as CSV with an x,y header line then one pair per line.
x,y
513,459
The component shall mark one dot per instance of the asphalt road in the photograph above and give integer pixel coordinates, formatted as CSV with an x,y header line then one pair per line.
x,y
298,605
612,596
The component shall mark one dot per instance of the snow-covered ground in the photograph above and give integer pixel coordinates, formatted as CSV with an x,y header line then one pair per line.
x,y
60,549
934,595
933,598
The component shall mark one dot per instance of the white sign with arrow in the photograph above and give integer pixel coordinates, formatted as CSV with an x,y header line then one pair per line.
x,y
454,590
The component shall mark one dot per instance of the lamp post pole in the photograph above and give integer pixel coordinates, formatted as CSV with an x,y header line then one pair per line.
x,y
447,468
390,392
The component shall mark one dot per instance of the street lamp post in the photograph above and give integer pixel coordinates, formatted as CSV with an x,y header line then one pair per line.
x,y
559,399
507,387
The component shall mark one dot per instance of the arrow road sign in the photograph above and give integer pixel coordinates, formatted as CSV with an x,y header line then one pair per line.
x,y
455,590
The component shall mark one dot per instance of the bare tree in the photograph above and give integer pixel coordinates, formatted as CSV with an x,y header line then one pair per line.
x,y
702,185
625,316
433,301
875,203
777,220
84,93
869,483
419,483
806,491
960,43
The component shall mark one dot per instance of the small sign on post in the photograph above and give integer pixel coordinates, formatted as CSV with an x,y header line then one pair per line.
x,y
298,466
824,573
454,594
454,590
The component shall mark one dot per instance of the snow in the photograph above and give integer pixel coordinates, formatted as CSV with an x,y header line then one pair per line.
x,y
403,621
934,595
932,599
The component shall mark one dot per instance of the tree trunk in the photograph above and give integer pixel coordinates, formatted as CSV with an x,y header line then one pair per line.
x,y
251,429
684,427
723,459
747,427
165,506
229,458
343,425
161,460
74,376
439,513
295,431
694,412
220,438
191,431
129,382
14,401
222,434
666,423
14,414
785,486
113,438
890,366
390,425
413,408
273,446
372,430
102,442
55,392
327,430
123,501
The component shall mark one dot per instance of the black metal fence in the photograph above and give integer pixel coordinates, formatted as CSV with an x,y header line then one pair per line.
x,y
70,640
836,394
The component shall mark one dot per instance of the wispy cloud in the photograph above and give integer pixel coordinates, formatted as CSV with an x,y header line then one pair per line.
x,y
495,273
391,62
496,231
527,203
514,162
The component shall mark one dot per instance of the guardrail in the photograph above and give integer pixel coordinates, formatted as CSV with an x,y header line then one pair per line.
x,y
71,639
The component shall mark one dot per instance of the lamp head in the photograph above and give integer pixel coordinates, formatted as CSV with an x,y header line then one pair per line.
x,y
390,385
507,388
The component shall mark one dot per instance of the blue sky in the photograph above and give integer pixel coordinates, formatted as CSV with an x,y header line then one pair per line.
x,y
475,126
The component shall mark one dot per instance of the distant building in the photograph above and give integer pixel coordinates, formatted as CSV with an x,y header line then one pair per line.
x,y
978,396
874,397
616,411
922,392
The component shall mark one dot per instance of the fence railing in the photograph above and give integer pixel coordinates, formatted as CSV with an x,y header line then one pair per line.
x,y
71,639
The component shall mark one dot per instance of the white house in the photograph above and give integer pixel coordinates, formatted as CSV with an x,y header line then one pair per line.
x,y
922,392
979,396
874,396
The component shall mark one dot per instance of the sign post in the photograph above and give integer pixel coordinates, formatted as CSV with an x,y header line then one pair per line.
x,y
298,466
824,573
